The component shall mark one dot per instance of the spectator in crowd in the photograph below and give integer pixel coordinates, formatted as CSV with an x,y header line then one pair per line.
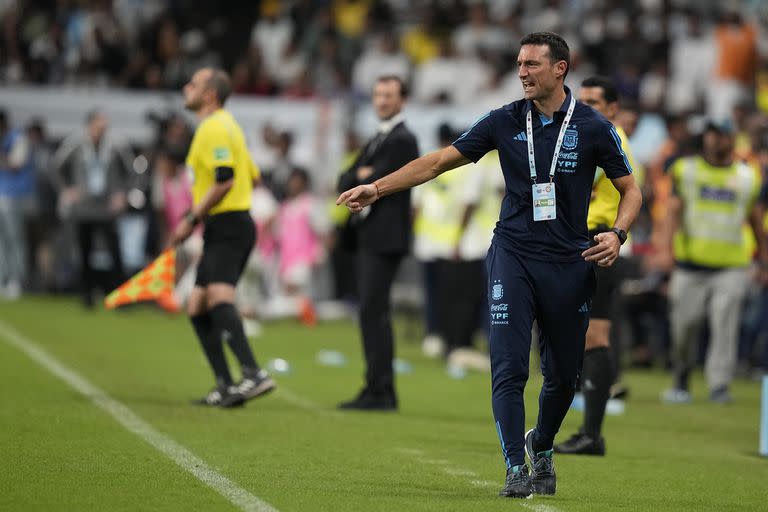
x,y
421,42
735,67
713,196
432,239
478,35
271,35
172,197
383,58
692,53
17,203
301,232
91,171
436,81
279,169
42,219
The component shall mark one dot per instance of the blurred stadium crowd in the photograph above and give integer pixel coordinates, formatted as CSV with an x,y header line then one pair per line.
x,y
77,206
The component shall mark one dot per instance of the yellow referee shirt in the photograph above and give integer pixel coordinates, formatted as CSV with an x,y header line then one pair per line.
x,y
219,142
604,205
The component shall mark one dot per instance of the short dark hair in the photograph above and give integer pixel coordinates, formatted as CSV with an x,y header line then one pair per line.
x,y
610,93
558,48
395,78
301,173
92,115
221,84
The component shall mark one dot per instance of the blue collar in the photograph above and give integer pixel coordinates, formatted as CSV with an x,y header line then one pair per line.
x,y
562,110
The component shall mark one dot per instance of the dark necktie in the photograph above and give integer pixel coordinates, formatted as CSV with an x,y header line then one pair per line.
x,y
373,145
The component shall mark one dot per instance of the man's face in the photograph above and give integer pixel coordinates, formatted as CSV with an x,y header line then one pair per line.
x,y
719,143
97,126
595,98
387,99
196,89
537,72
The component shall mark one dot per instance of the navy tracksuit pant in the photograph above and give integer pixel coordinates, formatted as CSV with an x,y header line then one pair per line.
x,y
558,296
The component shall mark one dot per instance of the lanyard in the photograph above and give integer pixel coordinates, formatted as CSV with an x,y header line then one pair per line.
x,y
529,133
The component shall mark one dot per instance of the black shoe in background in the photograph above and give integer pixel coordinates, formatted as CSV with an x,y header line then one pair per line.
x,y
517,483
582,444
543,478
370,401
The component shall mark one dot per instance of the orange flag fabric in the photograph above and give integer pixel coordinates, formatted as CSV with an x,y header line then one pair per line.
x,y
155,283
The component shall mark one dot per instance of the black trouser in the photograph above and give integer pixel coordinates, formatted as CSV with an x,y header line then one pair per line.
x,y
460,291
375,274
86,231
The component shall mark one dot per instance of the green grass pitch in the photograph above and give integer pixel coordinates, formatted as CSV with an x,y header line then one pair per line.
x,y
292,449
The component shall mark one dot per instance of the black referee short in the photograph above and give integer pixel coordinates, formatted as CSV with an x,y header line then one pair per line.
x,y
227,242
607,282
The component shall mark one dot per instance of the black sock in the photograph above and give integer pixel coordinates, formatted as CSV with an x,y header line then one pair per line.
x,y
213,347
227,322
596,384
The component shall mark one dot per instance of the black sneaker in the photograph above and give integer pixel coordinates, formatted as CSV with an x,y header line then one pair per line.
x,y
370,401
543,479
518,483
222,396
256,385
582,444
720,396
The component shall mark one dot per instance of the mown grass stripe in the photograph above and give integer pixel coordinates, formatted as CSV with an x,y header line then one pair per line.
x,y
184,458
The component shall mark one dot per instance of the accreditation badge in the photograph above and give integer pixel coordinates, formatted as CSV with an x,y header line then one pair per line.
x,y
544,201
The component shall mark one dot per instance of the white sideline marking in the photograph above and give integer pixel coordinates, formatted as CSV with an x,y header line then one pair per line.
x,y
419,455
435,462
302,403
411,451
540,507
187,460
484,483
460,472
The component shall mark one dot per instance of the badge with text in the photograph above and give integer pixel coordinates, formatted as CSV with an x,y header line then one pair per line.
x,y
544,201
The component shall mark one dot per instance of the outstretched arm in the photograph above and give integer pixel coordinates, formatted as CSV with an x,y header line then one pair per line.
x,y
414,173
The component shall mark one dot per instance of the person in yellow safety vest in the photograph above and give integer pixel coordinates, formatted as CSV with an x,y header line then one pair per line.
x,y
714,196
597,376
446,236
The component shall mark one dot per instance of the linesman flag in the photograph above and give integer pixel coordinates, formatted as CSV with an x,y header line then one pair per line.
x,y
153,283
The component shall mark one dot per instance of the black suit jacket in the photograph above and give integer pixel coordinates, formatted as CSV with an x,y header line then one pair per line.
x,y
387,228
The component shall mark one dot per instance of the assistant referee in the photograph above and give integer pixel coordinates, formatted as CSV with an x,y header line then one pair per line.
x,y
222,176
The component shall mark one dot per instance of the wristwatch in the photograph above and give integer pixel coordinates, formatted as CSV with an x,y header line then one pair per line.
x,y
621,234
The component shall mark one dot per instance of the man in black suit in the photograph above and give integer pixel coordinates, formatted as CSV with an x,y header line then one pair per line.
x,y
383,234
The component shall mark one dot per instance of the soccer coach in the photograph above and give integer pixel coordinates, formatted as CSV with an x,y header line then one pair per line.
x,y
223,175
539,264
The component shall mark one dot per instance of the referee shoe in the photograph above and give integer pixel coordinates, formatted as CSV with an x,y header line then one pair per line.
x,y
256,385
543,479
222,396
